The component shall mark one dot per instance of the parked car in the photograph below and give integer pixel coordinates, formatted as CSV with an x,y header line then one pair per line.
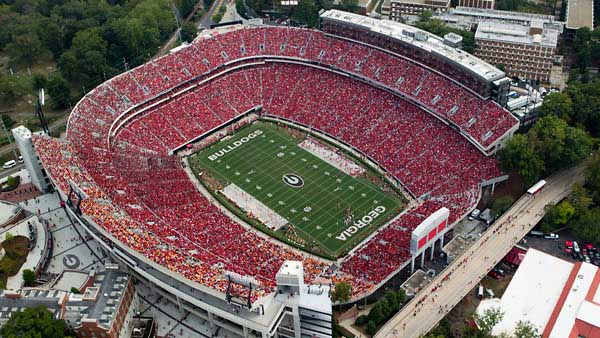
x,y
474,214
494,274
576,247
535,233
569,244
588,246
551,236
9,164
20,159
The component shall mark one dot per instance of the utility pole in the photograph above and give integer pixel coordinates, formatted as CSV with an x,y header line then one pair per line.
x,y
177,19
9,139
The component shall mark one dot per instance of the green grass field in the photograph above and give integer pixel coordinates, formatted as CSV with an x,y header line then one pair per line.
x,y
319,212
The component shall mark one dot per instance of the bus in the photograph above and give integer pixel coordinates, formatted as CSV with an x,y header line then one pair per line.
x,y
536,188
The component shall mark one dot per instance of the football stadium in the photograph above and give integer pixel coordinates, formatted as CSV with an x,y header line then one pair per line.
x,y
259,158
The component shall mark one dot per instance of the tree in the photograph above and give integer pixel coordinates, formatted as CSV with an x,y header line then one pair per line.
x,y
386,311
39,81
59,91
86,61
29,277
375,314
401,296
34,322
587,226
26,49
486,321
592,176
7,120
371,328
185,7
392,299
501,204
557,216
188,31
306,13
342,292
348,6
519,156
580,199
557,104
525,329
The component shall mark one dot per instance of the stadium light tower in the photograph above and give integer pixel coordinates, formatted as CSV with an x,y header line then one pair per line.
x,y
41,100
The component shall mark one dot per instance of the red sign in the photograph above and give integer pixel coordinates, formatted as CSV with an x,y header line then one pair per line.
x,y
432,233
422,242
442,226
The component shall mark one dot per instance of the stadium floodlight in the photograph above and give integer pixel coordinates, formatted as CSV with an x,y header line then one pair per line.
x,y
42,97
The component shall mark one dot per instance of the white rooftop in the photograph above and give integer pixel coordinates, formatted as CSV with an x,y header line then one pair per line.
x,y
535,291
22,131
514,33
418,38
575,300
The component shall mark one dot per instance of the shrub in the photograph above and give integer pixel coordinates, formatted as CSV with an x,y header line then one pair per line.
x,y
361,320
29,277
371,327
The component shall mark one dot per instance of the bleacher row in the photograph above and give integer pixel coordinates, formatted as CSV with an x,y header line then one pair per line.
x,y
143,197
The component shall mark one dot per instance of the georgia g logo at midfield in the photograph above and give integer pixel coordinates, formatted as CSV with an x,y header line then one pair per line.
x,y
293,180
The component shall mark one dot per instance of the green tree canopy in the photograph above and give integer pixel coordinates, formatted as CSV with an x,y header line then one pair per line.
x,y
549,146
306,13
86,61
557,104
501,204
188,31
29,277
525,329
488,319
557,216
26,49
34,322
519,156
59,91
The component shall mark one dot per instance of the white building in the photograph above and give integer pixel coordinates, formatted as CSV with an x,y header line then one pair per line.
x,y
22,137
559,298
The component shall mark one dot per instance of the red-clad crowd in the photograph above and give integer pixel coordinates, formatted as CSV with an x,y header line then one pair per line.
x,y
142,196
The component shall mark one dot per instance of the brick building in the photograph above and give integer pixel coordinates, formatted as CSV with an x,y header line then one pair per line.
x,y
526,52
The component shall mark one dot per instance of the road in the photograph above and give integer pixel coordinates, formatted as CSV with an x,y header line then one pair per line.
x,y
423,312
7,149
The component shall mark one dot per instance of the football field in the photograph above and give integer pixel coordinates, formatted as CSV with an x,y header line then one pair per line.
x,y
328,209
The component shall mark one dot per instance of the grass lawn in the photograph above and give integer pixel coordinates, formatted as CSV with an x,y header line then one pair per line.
x,y
324,211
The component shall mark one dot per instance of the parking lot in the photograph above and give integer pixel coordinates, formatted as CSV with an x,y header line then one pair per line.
x,y
557,247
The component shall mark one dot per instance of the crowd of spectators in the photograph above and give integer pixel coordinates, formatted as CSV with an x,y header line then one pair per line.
x,y
142,196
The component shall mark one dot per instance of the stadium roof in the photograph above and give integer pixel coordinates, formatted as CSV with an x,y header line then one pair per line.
x,y
514,33
420,39
557,301
580,13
